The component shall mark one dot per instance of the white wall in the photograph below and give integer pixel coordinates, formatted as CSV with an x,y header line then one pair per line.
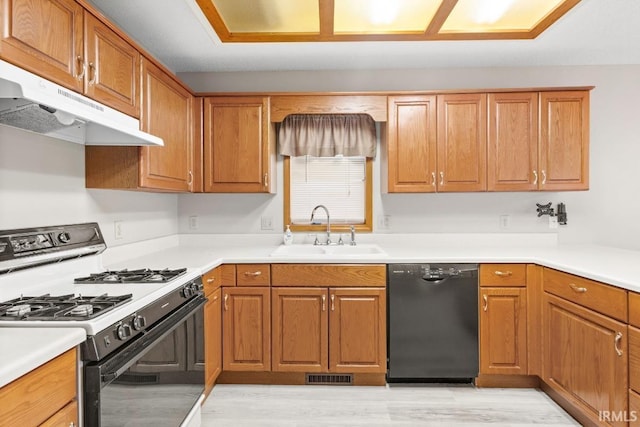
x,y
605,214
42,183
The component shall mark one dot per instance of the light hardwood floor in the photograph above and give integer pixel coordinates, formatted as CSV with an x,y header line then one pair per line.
x,y
287,406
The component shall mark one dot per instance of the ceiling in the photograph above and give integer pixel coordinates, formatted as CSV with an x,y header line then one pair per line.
x,y
177,33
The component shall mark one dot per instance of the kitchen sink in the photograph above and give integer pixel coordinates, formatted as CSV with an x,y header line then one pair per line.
x,y
327,251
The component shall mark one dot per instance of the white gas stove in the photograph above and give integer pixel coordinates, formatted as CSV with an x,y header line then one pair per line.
x,y
134,320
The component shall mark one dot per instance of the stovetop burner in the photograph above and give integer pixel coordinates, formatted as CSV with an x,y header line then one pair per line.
x,y
144,275
62,307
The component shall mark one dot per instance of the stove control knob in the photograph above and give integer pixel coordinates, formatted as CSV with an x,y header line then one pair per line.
x,y
138,322
187,291
64,237
123,332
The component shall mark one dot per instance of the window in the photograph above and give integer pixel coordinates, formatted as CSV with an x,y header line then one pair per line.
x,y
342,184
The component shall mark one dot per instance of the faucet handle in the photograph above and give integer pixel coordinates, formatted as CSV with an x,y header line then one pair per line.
x,y
353,236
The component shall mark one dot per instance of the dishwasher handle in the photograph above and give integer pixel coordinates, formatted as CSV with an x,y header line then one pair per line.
x,y
435,280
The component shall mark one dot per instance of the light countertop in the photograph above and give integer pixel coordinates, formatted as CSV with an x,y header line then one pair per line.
x,y
24,349
613,266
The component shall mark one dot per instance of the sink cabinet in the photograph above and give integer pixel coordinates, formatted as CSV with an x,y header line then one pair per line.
x,y
335,330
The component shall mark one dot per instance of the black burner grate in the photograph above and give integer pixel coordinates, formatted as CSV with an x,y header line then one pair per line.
x,y
144,275
62,307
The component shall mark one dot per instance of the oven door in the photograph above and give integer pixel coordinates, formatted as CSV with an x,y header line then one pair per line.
x,y
154,381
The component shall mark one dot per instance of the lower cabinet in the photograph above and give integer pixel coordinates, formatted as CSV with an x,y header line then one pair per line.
x,y
246,326
212,339
503,331
585,360
338,330
45,396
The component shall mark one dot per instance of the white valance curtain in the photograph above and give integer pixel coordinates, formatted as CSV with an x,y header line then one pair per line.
x,y
328,135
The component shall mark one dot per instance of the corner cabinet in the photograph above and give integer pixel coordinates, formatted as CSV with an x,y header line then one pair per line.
x,y
170,112
239,145
585,344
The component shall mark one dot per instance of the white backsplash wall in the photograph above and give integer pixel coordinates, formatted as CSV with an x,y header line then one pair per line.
x,y
606,214
42,183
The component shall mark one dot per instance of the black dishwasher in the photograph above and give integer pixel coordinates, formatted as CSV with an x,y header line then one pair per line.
x,y
432,322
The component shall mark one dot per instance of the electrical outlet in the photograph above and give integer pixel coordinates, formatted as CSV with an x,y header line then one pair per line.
x,y
193,222
384,222
266,223
505,222
118,232
553,222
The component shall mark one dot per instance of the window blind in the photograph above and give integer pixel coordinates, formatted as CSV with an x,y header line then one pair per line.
x,y
336,182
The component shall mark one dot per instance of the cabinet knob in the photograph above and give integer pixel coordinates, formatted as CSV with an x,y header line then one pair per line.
x,y
211,280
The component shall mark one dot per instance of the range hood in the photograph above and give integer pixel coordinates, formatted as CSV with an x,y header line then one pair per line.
x,y
34,104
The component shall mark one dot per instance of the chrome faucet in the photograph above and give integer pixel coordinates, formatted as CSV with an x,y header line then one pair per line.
x,y
317,242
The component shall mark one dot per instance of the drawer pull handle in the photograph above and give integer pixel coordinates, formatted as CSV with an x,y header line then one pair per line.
x,y
253,273
616,344
578,289
535,177
226,297
503,273
485,305
441,178
82,66
333,306
211,280
93,74
215,298
433,179
324,300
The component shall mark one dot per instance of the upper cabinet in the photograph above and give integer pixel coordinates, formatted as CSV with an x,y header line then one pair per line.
x,y
507,141
60,41
462,142
170,112
411,139
436,143
564,140
113,68
239,145
512,158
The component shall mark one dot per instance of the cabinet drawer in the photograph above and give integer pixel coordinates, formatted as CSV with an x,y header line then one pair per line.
x,y
253,275
212,280
39,394
602,298
634,358
228,274
634,309
503,275
336,275
67,416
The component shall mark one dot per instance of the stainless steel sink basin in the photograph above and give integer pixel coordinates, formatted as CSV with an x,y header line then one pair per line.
x,y
310,251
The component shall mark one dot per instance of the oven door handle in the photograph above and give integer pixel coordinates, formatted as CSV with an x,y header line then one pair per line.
x,y
119,362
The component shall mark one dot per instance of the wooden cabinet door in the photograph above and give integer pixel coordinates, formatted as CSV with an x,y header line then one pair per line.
x,y
585,357
503,331
246,325
357,330
300,335
212,339
512,149
411,138
236,145
45,38
564,140
167,111
462,142
67,416
113,68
